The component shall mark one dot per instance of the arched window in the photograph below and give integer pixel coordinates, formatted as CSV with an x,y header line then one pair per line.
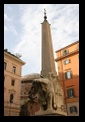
x,y
11,98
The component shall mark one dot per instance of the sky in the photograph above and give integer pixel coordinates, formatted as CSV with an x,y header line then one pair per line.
x,y
22,30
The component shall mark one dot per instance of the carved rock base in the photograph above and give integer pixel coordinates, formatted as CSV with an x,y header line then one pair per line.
x,y
50,112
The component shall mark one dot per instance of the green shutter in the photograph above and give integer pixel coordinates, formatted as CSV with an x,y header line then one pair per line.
x,y
70,109
71,74
65,62
73,92
68,92
65,75
63,53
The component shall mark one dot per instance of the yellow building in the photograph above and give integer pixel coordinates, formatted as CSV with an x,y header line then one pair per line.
x,y
12,73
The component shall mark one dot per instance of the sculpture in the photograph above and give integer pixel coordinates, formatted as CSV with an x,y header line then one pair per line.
x,y
59,94
48,92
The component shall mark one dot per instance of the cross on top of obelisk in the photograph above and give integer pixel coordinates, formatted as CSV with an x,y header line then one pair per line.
x,y
45,17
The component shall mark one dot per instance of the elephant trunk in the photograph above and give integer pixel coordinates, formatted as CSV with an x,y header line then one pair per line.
x,y
54,105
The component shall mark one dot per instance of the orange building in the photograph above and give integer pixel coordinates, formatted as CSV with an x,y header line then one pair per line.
x,y
68,70
12,74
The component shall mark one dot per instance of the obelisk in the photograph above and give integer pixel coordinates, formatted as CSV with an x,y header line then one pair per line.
x,y
48,64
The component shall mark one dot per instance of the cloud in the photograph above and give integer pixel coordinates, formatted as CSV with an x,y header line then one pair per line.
x,y
6,18
9,25
13,30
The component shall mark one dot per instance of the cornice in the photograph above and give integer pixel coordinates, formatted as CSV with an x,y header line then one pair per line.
x,y
14,57
69,54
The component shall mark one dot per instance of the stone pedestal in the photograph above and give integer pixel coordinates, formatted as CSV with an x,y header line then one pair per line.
x,y
50,112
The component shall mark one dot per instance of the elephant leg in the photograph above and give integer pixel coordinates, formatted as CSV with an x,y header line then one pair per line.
x,y
41,108
50,101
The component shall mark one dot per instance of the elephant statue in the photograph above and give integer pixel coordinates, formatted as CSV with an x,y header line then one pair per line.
x,y
48,92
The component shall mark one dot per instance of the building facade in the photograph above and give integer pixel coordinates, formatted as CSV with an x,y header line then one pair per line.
x,y
68,70
12,73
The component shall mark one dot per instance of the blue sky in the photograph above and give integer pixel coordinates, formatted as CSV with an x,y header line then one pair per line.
x,y
22,30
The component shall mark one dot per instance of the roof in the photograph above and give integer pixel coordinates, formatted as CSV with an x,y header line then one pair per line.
x,y
67,46
15,57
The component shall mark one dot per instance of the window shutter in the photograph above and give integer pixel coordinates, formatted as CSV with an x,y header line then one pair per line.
x,y
63,53
66,51
65,75
69,60
71,74
70,109
73,92
65,62
68,93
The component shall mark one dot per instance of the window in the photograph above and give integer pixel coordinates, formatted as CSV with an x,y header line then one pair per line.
x,y
68,75
67,61
12,82
73,109
14,69
65,52
5,65
11,98
70,93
